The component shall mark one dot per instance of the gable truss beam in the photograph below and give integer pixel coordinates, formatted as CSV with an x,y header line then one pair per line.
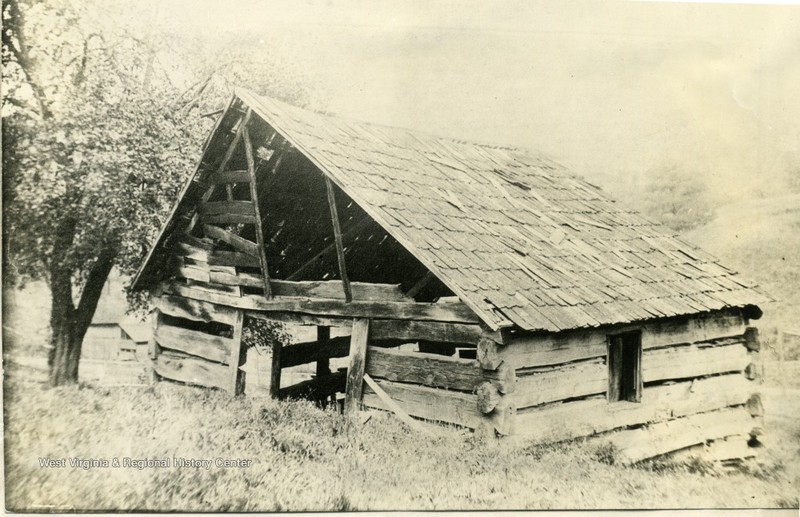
x,y
337,235
251,169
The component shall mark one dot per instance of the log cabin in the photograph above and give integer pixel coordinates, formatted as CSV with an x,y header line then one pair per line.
x,y
538,306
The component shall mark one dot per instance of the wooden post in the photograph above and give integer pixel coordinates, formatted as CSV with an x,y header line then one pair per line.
x,y
323,365
237,377
275,370
152,349
355,370
251,170
337,234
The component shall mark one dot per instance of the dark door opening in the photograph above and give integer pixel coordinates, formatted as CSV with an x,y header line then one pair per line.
x,y
625,367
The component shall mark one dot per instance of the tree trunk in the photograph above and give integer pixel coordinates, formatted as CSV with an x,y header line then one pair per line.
x,y
65,351
68,324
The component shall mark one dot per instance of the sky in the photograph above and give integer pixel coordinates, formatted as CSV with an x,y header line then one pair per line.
x,y
616,91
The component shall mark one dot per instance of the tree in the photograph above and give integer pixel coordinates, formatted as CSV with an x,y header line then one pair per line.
x,y
96,144
94,159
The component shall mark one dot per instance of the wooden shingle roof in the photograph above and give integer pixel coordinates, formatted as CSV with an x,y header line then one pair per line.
x,y
518,238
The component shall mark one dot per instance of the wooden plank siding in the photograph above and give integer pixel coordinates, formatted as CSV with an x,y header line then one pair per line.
x,y
450,312
659,403
634,445
536,350
199,344
453,407
434,370
191,370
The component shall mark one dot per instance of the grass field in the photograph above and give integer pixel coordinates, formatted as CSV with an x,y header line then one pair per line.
x,y
307,459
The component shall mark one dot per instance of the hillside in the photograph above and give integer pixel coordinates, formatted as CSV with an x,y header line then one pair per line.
x,y
760,239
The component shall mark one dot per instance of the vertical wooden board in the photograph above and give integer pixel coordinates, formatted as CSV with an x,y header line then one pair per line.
x,y
355,370
237,377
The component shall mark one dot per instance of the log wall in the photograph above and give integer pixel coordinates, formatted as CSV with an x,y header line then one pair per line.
x,y
697,387
696,372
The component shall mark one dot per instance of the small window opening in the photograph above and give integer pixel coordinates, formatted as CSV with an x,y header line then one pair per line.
x,y
625,367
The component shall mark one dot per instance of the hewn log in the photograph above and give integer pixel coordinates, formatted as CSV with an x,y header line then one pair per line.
x,y
203,244
297,318
659,403
318,388
200,344
355,370
692,361
429,403
392,405
188,250
434,370
534,350
730,448
693,329
332,289
229,177
200,274
228,218
424,330
450,312
754,405
195,310
240,243
488,397
635,445
233,259
572,380
236,376
489,354
190,370
751,371
239,279
751,340
504,417
227,207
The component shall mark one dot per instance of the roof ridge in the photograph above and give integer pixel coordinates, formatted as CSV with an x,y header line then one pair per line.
x,y
413,131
